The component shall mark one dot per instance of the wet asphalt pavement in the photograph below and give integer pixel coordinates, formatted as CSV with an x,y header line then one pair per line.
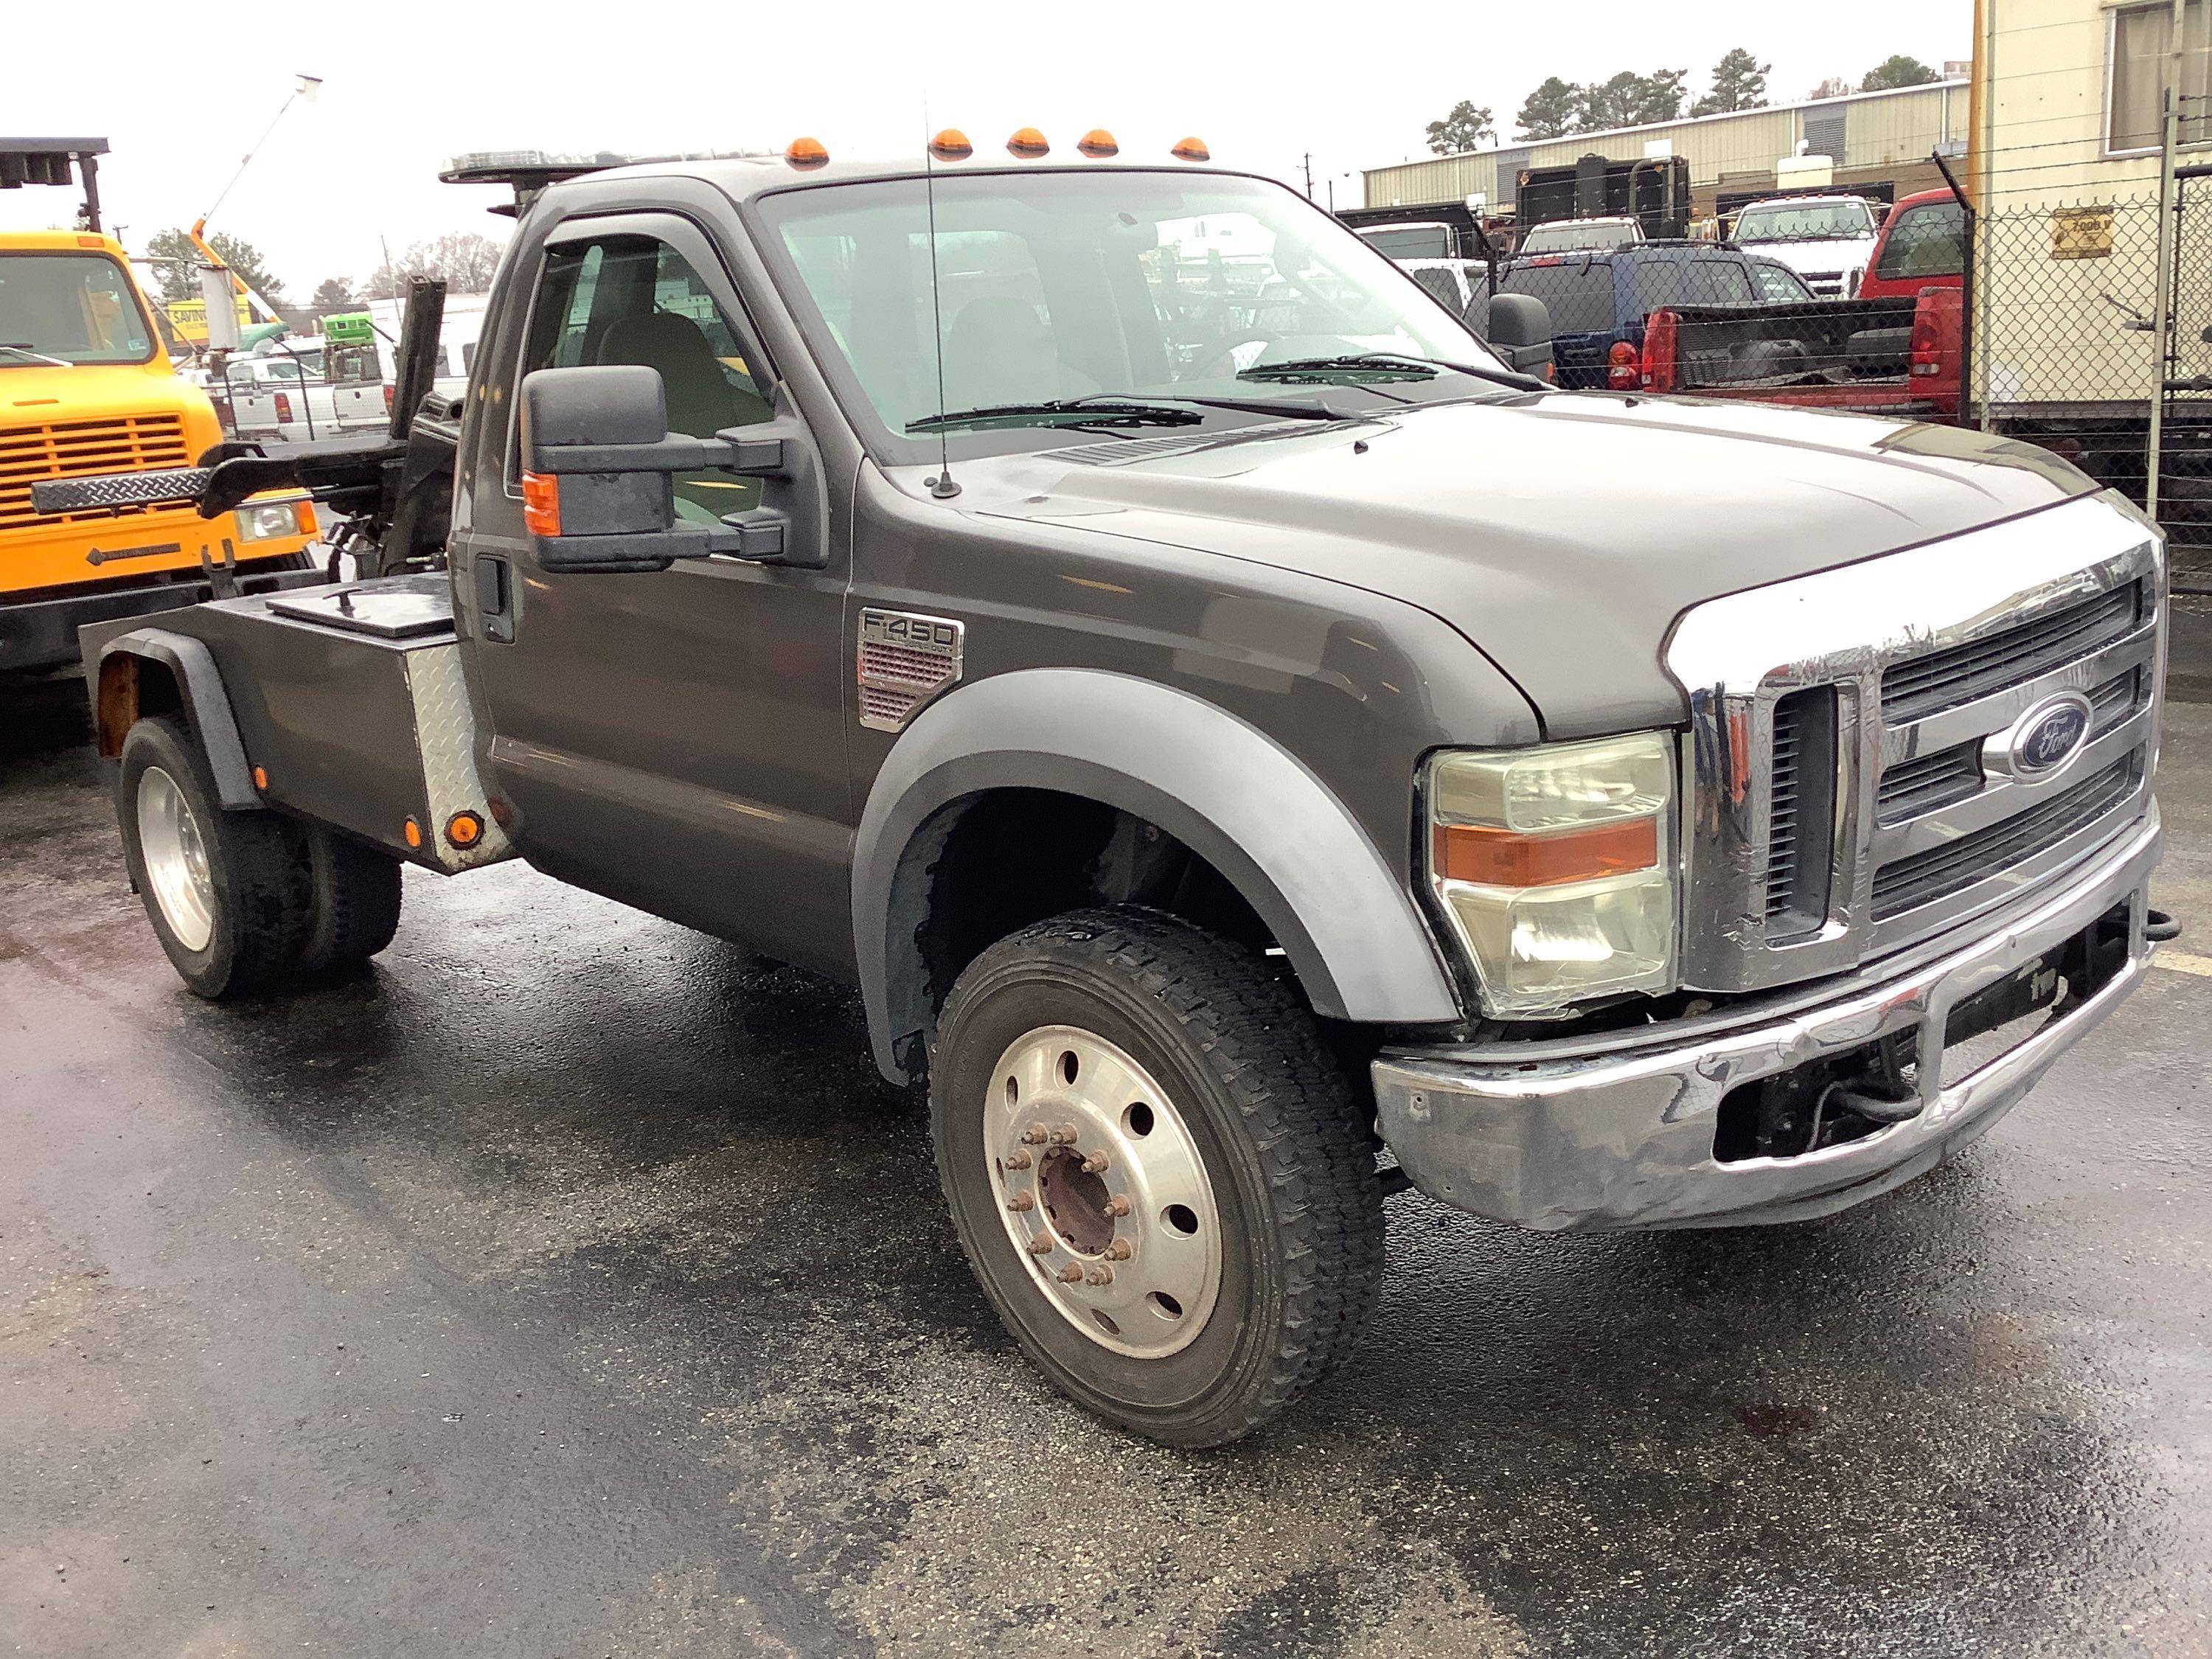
x,y
569,1284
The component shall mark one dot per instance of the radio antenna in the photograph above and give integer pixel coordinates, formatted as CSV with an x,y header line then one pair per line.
x,y
941,486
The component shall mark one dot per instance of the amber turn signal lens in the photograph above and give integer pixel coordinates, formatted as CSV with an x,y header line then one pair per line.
x,y
1192,149
464,829
1028,143
951,145
1098,144
1505,858
541,503
303,517
413,832
807,153
260,778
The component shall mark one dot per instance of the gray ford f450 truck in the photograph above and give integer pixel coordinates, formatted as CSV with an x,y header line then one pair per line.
x,y
1251,747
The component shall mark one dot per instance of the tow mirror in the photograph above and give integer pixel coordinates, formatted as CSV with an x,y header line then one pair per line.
x,y
599,467
1521,332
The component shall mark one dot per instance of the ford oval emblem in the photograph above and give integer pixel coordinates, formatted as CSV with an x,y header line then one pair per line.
x,y
2046,737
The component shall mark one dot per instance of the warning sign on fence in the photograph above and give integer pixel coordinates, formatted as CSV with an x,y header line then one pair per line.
x,y
2081,233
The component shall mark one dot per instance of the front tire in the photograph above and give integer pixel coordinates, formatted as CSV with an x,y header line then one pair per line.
x,y
1157,1171
230,894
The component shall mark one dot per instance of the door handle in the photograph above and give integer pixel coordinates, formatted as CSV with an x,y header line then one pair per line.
x,y
495,597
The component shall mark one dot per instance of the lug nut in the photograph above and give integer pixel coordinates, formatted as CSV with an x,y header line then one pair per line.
x,y
1098,1275
1094,1163
1019,1161
1063,1136
1115,1207
1041,1245
1034,1135
1070,1275
1118,1250
1022,1201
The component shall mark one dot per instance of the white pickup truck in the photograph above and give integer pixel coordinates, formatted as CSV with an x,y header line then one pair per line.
x,y
280,394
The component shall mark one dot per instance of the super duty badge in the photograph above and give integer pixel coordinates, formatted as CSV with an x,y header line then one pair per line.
x,y
904,660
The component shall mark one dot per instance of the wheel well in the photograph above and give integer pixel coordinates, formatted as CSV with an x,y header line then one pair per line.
x,y
130,688
990,864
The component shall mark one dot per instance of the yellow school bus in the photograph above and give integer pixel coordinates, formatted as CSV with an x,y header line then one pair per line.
x,y
86,388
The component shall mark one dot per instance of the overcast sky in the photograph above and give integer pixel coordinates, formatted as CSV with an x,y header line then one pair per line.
x,y
407,84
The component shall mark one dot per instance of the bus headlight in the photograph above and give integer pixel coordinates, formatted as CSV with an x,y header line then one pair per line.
x,y
265,521
1556,867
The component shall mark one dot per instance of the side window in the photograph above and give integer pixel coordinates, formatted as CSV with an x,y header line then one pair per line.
x,y
630,299
1925,241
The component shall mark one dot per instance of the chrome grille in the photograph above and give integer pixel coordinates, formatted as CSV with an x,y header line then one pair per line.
x,y
1942,870
64,449
1944,679
1928,781
1928,659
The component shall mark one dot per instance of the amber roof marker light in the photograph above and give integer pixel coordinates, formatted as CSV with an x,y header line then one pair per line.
x,y
951,145
1098,144
807,153
1191,149
1029,144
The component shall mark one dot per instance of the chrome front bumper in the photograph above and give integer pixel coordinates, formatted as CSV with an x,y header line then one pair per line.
x,y
1563,1141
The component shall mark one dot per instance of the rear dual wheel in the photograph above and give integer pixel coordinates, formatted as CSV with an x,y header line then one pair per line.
x,y
1157,1170
241,901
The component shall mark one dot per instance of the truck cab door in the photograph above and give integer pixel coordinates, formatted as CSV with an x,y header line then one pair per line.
x,y
675,738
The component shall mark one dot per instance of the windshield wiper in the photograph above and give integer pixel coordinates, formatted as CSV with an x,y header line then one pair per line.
x,y
23,350
1068,411
1111,408
1405,362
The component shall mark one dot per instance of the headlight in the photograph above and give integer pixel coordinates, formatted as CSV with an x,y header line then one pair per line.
x,y
265,521
1556,866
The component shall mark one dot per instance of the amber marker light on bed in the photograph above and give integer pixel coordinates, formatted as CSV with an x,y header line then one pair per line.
x,y
1505,858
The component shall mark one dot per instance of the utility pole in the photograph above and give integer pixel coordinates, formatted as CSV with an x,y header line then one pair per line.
x,y
1308,158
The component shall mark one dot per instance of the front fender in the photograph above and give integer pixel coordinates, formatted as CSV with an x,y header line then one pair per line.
x,y
1223,788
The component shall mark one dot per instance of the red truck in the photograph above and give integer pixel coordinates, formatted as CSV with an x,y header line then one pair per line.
x,y
1892,354
1923,245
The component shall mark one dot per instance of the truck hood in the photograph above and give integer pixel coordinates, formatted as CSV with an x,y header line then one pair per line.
x,y
34,396
1850,253
1561,534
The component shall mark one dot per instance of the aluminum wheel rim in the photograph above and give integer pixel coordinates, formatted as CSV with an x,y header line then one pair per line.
x,y
1102,1192
176,860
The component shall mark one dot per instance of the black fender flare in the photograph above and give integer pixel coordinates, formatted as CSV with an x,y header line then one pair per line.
x,y
1223,788
207,706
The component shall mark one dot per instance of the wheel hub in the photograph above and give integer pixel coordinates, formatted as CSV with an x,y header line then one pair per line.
x,y
1102,1191
175,856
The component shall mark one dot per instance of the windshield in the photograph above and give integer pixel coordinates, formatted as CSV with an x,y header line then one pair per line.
x,y
75,307
1412,242
1057,286
1573,234
1808,222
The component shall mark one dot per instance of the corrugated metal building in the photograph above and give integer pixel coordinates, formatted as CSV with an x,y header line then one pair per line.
x,y
1874,138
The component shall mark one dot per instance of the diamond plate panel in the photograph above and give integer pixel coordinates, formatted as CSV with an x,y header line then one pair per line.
x,y
445,734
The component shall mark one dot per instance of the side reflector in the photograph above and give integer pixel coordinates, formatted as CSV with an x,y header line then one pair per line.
x,y
413,832
1504,857
1098,144
951,145
1028,143
303,517
807,153
1192,149
464,829
541,503
260,778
